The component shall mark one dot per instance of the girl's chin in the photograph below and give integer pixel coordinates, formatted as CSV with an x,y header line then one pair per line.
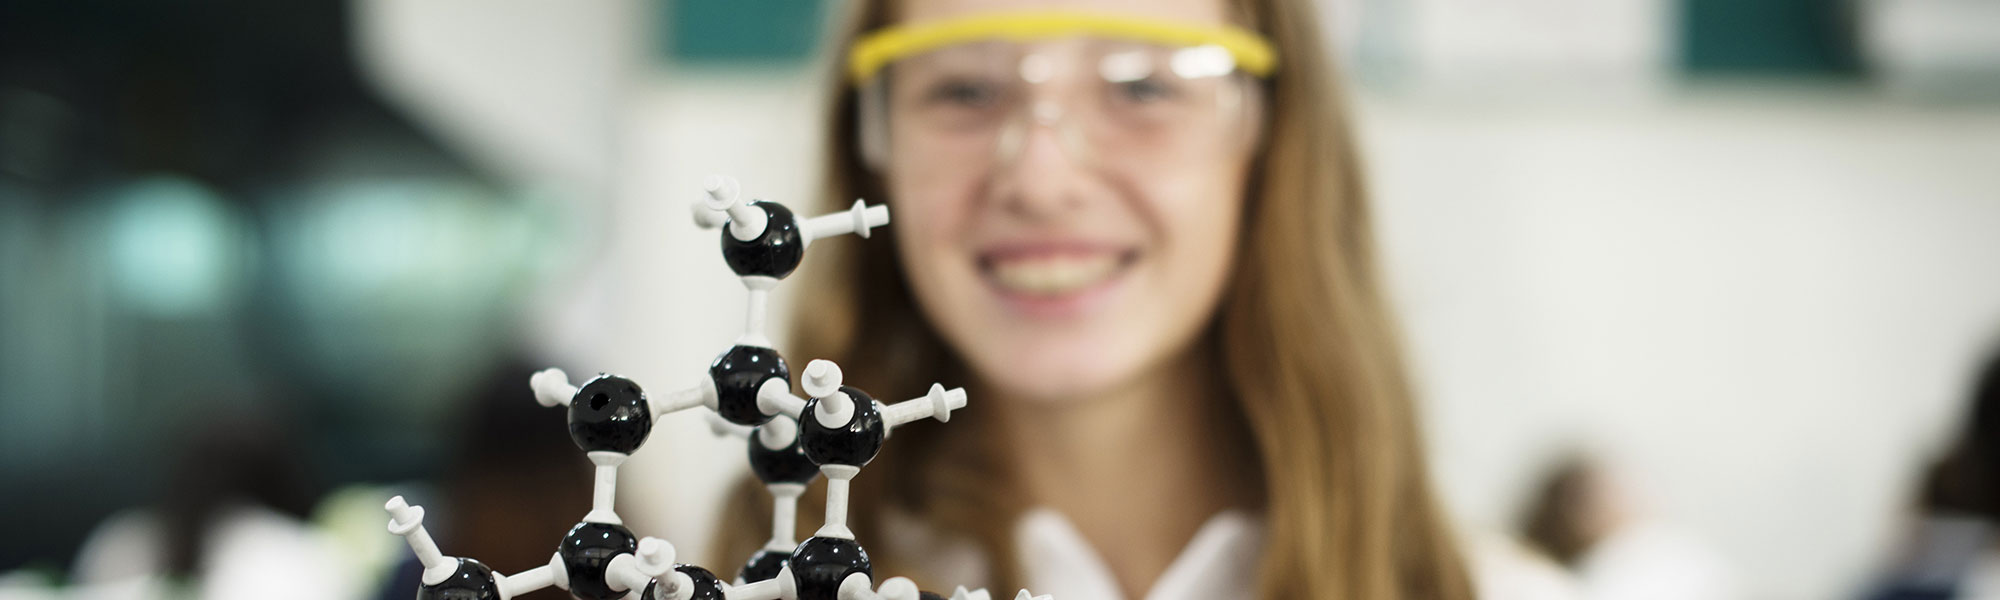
x,y
1055,383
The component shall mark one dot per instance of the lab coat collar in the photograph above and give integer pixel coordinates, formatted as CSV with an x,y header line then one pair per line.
x,y
1219,562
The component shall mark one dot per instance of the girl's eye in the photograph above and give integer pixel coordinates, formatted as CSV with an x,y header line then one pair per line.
x,y
1145,90
964,93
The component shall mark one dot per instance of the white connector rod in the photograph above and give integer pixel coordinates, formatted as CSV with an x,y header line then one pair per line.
x,y
857,219
723,428
834,410
623,575
937,404
769,589
605,492
700,394
775,398
778,433
837,478
756,313
527,581
784,515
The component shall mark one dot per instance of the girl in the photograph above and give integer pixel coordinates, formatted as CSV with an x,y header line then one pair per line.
x,y
1136,233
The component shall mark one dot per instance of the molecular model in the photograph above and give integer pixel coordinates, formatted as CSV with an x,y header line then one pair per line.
x,y
834,431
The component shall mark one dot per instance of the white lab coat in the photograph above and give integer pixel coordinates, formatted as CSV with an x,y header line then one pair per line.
x,y
1218,563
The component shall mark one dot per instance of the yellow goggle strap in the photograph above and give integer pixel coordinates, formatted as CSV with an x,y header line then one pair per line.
x,y
1252,52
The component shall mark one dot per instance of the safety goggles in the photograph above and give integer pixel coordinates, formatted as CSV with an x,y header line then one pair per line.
x,y
1109,90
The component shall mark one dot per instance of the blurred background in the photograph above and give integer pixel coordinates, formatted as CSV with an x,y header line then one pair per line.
x,y
1732,265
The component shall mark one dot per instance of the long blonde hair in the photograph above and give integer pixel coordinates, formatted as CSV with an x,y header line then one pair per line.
x,y
1303,338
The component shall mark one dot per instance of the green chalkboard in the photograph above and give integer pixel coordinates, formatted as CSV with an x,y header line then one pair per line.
x,y
1807,37
735,31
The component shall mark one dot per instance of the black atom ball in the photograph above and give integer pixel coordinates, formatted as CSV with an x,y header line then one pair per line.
x,y
609,414
852,445
706,586
587,550
783,465
738,373
774,254
472,581
765,564
821,563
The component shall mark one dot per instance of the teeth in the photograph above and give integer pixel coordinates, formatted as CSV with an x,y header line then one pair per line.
x,y
1053,275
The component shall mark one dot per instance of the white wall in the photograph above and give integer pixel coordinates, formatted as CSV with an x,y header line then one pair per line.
x,y
1767,304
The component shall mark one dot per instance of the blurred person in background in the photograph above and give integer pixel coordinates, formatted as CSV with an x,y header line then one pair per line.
x,y
1951,550
1138,231
1593,522
231,525
514,483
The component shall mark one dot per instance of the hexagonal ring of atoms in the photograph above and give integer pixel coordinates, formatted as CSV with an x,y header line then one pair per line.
x,y
835,431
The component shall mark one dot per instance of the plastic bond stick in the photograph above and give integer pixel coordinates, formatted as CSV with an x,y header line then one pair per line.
x,y
605,492
784,515
858,220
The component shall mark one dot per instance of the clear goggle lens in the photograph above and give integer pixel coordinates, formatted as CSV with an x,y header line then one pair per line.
x,y
1106,102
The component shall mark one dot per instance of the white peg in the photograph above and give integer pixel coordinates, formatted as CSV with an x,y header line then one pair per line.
x,y
678,586
867,217
722,191
858,219
822,378
937,404
403,518
964,594
746,222
944,401
408,521
656,556
899,588
552,387
856,587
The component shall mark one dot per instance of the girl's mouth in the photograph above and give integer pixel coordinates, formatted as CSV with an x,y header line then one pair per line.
x,y
1054,273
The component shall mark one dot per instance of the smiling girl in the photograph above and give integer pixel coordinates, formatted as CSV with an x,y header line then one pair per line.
x,y
1137,232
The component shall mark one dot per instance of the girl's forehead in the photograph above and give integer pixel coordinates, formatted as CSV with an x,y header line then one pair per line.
x,y
1195,11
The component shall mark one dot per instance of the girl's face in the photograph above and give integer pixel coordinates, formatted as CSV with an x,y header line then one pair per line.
x,y
1060,261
